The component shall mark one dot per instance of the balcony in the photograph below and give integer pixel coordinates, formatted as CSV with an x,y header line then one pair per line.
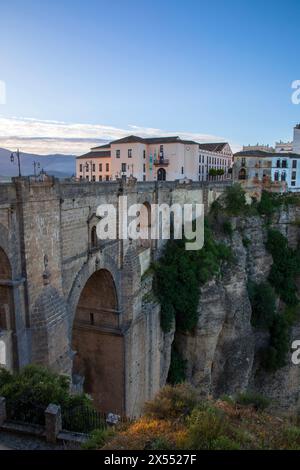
x,y
161,162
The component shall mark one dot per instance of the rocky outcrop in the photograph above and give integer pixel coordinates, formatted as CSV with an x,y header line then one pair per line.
x,y
223,353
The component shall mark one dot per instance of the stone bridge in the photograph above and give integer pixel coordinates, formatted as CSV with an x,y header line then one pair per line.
x,y
75,304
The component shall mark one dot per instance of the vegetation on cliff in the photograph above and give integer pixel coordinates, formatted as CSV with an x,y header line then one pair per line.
x,y
179,275
179,419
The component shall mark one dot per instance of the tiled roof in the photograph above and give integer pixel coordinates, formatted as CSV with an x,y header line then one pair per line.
x,y
262,154
152,140
213,146
95,155
96,152
105,146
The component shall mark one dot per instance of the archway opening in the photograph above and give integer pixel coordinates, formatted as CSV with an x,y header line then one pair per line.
x,y
242,174
6,299
99,344
7,325
161,174
145,226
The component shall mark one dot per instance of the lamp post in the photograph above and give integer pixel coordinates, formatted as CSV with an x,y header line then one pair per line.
x,y
12,159
89,165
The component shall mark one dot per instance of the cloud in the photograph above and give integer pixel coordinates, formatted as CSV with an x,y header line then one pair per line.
x,y
47,137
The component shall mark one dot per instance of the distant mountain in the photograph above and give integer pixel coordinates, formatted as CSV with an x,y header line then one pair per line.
x,y
61,166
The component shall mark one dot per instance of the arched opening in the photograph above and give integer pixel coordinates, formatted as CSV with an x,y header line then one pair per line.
x,y
6,305
6,312
161,174
145,242
98,344
94,239
242,174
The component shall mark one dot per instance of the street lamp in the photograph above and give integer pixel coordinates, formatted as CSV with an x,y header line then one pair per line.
x,y
12,159
89,165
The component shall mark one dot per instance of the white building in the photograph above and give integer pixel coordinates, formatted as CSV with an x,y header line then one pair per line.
x,y
157,158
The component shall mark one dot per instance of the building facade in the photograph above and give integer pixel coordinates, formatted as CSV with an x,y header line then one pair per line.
x,y
257,170
155,159
95,165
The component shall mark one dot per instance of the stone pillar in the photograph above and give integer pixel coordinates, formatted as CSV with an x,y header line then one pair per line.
x,y
2,410
53,422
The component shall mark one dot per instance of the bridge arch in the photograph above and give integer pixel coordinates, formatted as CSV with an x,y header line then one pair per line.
x,y
98,343
7,317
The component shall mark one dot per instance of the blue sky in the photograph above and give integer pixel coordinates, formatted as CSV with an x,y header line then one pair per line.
x,y
219,69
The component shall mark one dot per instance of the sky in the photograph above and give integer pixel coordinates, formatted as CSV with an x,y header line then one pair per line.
x,y
80,72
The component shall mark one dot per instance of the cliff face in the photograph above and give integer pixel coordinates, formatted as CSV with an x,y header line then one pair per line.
x,y
222,355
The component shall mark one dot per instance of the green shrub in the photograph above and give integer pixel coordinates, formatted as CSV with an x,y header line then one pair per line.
x,y
263,303
216,172
246,242
177,368
286,266
227,228
269,202
36,386
235,199
259,402
275,355
98,438
173,402
209,429
161,443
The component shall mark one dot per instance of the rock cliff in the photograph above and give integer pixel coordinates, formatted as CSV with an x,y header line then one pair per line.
x,y
223,353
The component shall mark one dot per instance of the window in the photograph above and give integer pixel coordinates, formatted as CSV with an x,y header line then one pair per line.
x,y
294,163
87,178
107,166
94,178
199,158
284,164
161,150
80,167
294,175
202,158
92,321
293,183
182,170
278,164
87,167
144,177
123,168
80,177
129,153
199,169
107,178
100,166
118,153
94,167
144,153
94,239
283,176
100,177
144,168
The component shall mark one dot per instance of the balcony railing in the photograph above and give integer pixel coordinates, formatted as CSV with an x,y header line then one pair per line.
x,y
161,162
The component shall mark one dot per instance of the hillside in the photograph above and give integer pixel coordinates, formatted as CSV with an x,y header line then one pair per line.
x,y
178,418
58,165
